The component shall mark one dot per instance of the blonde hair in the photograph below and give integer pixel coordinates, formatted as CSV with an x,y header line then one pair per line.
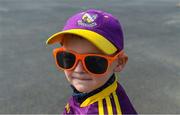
x,y
69,36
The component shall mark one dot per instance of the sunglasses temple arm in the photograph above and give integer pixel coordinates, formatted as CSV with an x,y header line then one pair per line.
x,y
118,54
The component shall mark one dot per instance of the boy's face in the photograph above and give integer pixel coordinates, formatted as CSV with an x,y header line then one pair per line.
x,y
79,78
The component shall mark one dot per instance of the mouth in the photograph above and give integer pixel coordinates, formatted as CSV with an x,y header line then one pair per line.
x,y
81,78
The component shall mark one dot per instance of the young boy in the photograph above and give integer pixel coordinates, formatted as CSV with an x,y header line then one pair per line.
x,y
91,53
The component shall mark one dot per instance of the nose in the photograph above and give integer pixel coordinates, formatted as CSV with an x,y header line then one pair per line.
x,y
79,68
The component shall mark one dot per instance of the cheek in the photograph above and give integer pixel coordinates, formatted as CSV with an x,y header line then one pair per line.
x,y
68,74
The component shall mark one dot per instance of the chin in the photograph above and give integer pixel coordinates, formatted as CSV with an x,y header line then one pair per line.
x,y
85,89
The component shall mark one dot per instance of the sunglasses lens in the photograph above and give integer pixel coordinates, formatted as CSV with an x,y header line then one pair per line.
x,y
65,60
96,64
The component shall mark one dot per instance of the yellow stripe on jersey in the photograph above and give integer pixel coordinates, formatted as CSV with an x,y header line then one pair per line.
x,y
109,105
118,108
100,107
99,96
67,107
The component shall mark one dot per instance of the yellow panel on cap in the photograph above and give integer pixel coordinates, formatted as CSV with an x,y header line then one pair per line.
x,y
98,40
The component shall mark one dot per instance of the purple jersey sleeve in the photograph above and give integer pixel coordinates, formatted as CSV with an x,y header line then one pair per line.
x,y
126,105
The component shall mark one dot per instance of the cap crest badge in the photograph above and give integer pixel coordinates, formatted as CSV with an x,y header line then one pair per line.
x,y
88,20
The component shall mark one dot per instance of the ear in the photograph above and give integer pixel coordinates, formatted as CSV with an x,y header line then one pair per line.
x,y
122,60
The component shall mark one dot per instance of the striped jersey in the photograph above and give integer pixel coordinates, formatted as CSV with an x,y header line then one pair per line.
x,y
110,100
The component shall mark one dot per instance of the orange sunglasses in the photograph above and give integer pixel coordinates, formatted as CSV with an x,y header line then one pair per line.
x,y
95,64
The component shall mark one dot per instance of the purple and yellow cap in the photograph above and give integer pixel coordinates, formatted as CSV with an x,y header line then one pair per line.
x,y
100,28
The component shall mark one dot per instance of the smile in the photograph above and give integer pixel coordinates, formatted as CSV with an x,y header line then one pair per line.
x,y
81,78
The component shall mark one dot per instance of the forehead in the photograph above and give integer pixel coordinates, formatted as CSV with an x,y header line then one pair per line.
x,y
79,44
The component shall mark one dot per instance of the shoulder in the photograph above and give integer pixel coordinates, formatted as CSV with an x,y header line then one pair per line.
x,y
68,107
125,103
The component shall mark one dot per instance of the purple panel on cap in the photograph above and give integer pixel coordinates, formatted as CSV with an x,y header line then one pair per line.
x,y
100,22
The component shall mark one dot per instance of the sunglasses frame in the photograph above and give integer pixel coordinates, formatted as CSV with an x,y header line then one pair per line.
x,y
81,57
